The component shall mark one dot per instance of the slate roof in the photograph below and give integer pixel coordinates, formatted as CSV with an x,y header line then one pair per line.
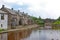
x,y
19,13
24,14
10,10
14,11
2,11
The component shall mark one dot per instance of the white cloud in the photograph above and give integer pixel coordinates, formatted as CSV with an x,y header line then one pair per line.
x,y
43,8
2,2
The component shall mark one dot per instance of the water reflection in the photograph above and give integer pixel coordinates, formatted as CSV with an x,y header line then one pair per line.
x,y
3,36
19,35
50,34
44,35
32,35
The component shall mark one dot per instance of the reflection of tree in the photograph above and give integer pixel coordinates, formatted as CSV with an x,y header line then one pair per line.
x,y
11,36
25,33
19,34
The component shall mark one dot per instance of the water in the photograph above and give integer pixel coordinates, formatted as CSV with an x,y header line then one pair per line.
x,y
32,35
44,35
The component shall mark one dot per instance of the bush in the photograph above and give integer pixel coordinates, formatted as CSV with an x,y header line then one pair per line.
x,y
57,22
1,29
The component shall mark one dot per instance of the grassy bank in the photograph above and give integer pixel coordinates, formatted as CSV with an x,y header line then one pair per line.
x,y
2,30
56,24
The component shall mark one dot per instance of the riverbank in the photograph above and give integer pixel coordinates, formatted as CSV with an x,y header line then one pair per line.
x,y
20,28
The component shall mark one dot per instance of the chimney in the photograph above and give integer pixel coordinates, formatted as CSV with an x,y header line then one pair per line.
x,y
18,11
11,8
3,6
23,12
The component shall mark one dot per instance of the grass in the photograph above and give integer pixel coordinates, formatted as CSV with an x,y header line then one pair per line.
x,y
2,30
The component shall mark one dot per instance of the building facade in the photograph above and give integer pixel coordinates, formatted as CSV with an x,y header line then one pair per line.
x,y
3,20
14,18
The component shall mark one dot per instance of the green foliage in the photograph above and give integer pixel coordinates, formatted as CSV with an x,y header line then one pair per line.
x,y
34,18
58,19
38,20
56,22
1,29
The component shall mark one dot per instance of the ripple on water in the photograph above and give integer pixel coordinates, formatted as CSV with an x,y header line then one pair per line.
x,y
44,35
50,34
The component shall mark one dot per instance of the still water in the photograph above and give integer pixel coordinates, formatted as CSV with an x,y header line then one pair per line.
x,y
32,35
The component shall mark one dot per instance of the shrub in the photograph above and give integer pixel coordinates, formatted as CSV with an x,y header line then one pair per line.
x,y
1,29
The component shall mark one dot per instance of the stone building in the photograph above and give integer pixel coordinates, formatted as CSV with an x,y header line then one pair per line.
x,y
16,18
25,19
3,20
12,16
48,23
30,20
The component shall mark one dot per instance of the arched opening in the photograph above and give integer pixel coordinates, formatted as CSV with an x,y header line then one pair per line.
x,y
20,22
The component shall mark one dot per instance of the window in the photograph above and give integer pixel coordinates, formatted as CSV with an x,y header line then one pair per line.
x,y
1,25
2,16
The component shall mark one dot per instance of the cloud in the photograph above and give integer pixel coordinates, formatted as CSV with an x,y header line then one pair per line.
x,y
43,8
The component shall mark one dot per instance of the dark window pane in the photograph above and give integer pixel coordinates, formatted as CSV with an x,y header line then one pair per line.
x,y
2,16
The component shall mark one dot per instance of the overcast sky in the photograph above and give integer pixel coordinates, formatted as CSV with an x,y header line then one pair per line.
x,y
43,8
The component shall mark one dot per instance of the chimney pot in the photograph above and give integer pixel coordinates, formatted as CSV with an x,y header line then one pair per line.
x,y
18,10
3,6
23,12
12,8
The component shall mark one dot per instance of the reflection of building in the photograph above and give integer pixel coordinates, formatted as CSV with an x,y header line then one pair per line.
x,y
14,18
3,36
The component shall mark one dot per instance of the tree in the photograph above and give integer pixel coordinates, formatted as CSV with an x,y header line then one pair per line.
x,y
39,17
58,19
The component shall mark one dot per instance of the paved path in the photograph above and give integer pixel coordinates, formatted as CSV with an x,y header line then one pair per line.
x,y
21,28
